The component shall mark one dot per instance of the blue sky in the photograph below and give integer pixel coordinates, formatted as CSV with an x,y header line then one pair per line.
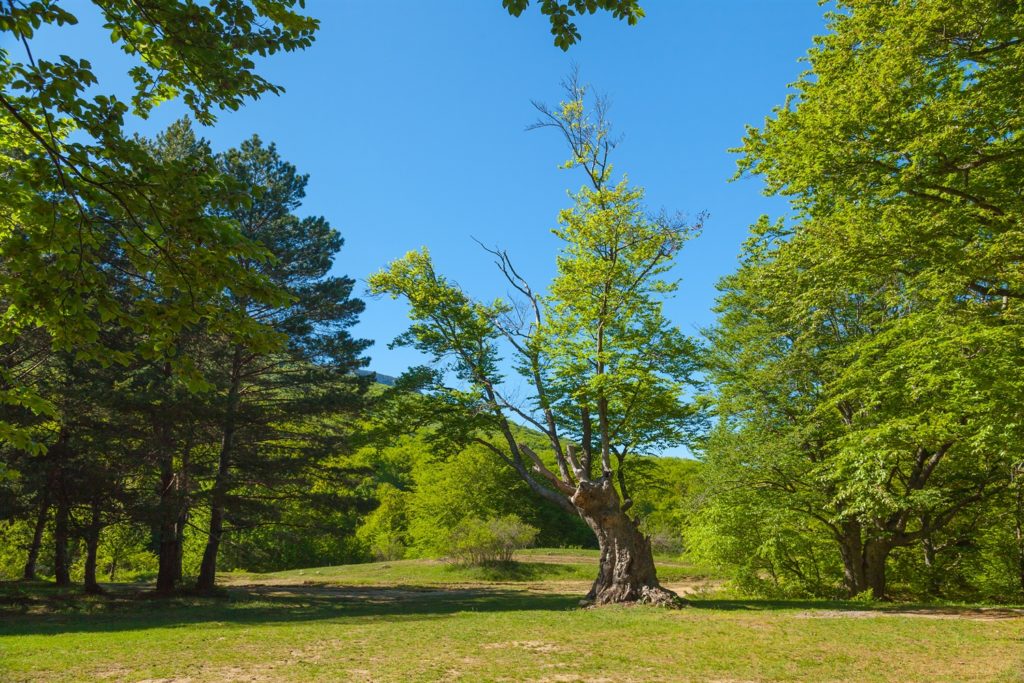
x,y
409,116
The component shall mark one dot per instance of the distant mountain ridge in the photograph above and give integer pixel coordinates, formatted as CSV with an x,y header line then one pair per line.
x,y
386,380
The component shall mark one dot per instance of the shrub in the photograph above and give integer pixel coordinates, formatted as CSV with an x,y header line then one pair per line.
x,y
665,541
387,546
480,542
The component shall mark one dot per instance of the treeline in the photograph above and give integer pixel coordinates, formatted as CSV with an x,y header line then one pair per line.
x,y
867,358
132,451
175,366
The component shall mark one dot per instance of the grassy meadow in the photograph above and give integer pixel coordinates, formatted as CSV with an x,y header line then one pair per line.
x,y
425,620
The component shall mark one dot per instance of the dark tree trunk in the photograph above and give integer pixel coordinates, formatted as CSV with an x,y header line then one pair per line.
x,y
37,538
863,561
179,546
208,569
167,533
92,544
626,572
218,497
61,561
852,553
876,554
168,509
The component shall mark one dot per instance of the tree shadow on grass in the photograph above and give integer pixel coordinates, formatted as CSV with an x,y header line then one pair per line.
x,y
757,605
34,611
850,608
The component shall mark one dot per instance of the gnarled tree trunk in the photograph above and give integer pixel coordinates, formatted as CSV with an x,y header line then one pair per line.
x,y
852,554
626,567
626,572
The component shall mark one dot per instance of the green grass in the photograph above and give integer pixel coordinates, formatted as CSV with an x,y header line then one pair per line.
x,y
533,565
424,621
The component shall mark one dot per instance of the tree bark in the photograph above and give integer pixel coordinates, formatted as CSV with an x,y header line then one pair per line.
x,y
208,569
61,561
876,554
626,572
852,553
218,497
182,521
1019,532
169,500
37,538
864,562
167,549
92,544
179,544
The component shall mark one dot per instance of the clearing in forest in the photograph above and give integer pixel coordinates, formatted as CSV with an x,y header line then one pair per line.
x,y
424,620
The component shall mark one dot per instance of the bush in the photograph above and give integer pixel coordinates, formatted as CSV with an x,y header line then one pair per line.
x,y
664,541
481,542
386,547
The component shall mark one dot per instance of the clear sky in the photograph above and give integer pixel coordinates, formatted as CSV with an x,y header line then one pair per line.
x,y
409,116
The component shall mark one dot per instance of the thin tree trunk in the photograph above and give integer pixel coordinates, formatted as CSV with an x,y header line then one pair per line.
x,y
179,544
218,497
930,552
37,537
626,571
61,561
1019,530
182,521
92,544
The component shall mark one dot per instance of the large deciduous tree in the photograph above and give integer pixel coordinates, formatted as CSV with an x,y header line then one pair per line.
x,y
606,370
870,351
876,417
